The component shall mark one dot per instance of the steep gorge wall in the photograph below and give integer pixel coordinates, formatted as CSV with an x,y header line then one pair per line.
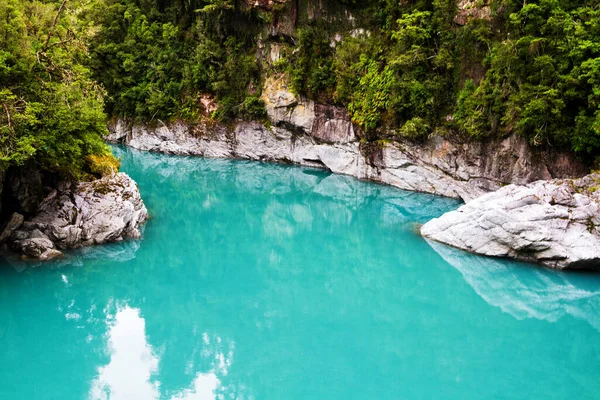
x,y
307,133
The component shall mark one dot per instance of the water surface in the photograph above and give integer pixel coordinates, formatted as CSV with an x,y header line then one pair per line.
x,y
258,281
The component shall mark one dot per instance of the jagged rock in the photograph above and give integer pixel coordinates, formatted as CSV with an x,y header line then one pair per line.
x,y
332,125
555,223
471,9
13,223
82,213
317,135
50,254
32,247
438,166
285,108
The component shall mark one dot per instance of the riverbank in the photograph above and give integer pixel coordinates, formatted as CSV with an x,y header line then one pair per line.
x,y
302,132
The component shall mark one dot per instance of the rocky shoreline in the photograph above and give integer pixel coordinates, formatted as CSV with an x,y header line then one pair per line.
x,y
552,221
551,228
555,223
78,214
306,133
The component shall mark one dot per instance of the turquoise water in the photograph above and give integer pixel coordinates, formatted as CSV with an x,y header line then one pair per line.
x,y
258,281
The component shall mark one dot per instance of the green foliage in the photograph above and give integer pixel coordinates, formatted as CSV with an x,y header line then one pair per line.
x,y
156,65
542,78
310,66
50,109
253,108
528,68
415,128
372,92
399,77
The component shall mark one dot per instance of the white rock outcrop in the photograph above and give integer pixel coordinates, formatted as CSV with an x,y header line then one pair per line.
x,y
319,135
556,223
79,214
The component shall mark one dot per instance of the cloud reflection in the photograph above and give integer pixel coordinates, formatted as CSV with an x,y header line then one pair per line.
x,y
133,370
204,387
132,362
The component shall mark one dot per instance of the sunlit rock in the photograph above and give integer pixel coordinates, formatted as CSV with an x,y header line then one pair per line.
x,y
555,223
77,214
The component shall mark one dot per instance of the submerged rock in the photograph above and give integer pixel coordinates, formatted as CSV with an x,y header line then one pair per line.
x,y
79,214
556,223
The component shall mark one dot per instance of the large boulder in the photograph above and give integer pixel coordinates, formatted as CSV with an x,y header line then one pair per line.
x,y
83,213
556,223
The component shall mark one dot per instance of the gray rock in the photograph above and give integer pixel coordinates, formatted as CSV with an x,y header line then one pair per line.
x,y
555,223
13,223
284,108
33,247
78,214
439,166
323,136
333,125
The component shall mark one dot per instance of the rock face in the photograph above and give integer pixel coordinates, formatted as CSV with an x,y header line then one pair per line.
x,y
24,188
307,133
556,223
322,136
79,214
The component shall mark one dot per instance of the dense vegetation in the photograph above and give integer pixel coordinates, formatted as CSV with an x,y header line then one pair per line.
x,y
526,68
402,69
51,111
157,59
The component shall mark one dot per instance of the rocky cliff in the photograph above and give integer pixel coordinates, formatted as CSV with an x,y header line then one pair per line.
x,y
303,132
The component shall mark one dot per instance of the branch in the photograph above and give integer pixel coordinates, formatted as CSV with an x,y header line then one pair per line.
x,y
62,6
7,116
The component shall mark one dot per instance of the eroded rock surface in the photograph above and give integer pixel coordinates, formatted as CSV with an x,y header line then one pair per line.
x,y
307,133
79,214
439,166
555,223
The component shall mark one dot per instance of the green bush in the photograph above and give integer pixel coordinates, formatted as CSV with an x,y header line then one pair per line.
x,y
50,109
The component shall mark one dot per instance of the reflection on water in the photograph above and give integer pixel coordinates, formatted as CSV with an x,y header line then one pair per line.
x,y
133,370
396,206
540,293
132,364
117,252
204,387
257,281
